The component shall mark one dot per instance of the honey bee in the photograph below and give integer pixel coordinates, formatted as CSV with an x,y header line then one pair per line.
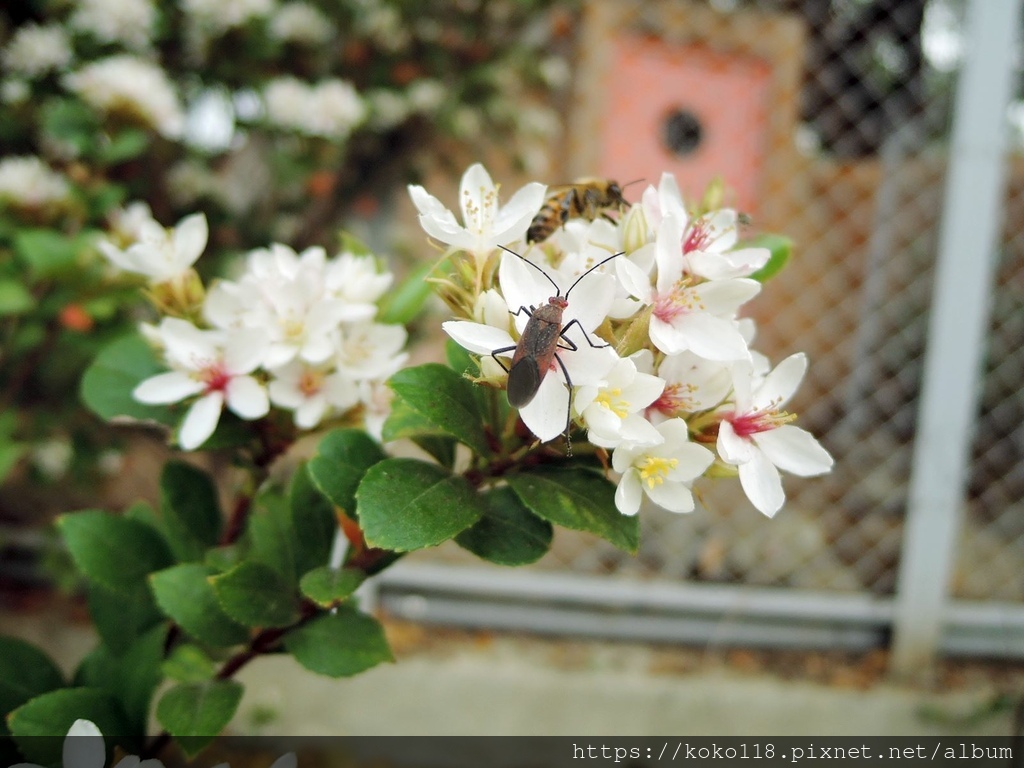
x,y
585,199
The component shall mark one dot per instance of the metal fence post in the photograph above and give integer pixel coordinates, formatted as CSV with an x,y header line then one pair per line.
x,y
967,251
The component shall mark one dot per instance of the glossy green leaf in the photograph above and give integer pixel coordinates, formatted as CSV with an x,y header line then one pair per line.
x,y
15,298
128,144
131,677
341,460
312,519
256,595
25,672
108,383
195,713
329,586
578,499
190,509
403,421
403,303
114,551
184,593
270,535
781,248
444,398
188,663
406,504
53,713
508,533
339,644
121,616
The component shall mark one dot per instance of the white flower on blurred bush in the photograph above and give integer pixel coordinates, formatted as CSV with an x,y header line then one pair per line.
x,y
132,86
129,22
612,410
14,91
36,49
487,224
426,95
215,365
329,109
312,391
159,254
663,471
28,182
84,748
756,438
299,22
221,15
53,457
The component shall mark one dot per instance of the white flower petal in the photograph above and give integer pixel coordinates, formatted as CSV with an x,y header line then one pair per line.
x,y
515,216
675,497
190,239
165,388
83,746
201,420
714,338
724,297
478,198
628,493
546,414
731,447
244,350
761,482
780,385
247,398
479,338
794,450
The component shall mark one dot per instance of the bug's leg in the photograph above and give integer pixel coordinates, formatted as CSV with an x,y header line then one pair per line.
x,y
568,407
528,310
572,344
497,352
585,335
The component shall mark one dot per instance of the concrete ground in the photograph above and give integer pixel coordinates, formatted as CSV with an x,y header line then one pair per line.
x,y
449,682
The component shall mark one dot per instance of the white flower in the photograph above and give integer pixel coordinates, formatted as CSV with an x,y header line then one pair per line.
x,y
370,350
296,301
221,15
691,384
130,85
28,182
116,21
53,457
612,409
756,437
312,391
36,49
545,414
159,254
84,748
487,224
425,94
212,364
687,315
301,22
663,471
330,109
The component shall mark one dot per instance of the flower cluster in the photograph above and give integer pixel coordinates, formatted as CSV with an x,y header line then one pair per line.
x,y
653,360
295,330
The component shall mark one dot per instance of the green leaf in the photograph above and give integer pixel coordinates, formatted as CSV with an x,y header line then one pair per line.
x,y
781,248
405,422
508,533
256,595
406,504
441,447
11,452
270,536
191,511
195,713
327,586
72,122
108,383
184,593
131,677
578,499
188,663
46,252
53,713
115,551
15,298
445,399
122,616
341,460
126,145
25,672
339,644
313,521
401,304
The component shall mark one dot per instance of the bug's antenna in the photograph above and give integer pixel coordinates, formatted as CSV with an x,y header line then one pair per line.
x,y
546,275
603,261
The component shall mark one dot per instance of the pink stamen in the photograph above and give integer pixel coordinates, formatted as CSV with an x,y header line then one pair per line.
x,y
698,238
215,376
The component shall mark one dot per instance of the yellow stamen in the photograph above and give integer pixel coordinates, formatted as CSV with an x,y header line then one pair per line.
x,y
612,400
654,469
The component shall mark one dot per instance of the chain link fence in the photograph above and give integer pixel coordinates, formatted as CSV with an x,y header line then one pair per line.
x,y
845,149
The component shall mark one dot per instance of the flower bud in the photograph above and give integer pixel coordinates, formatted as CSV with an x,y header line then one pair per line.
x,y
634,229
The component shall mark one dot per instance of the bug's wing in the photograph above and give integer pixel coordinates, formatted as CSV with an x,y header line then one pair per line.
x,y
523,382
